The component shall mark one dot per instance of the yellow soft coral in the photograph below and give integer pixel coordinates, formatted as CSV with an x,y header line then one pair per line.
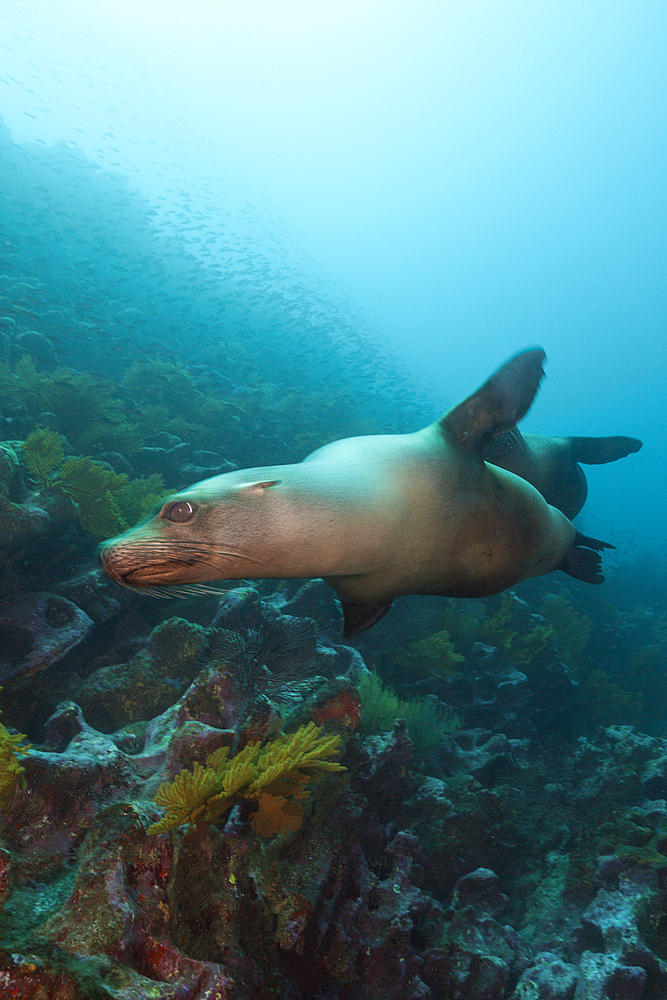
x,y
274,777
11,771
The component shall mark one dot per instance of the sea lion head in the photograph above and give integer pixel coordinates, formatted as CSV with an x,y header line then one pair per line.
x,y
216,529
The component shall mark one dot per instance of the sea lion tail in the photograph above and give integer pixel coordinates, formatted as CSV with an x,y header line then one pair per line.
x,y
497,405
584,561
599,451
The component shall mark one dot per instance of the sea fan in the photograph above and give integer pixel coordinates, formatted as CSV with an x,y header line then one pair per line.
x,y
272,656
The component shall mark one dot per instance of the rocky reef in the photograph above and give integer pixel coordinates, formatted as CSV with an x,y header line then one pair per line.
x,y
212,798
520,852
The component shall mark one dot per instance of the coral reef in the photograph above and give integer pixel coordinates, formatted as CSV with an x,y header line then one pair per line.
x,y
455,855
487,837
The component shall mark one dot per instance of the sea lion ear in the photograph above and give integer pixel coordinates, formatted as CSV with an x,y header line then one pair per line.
x,y
263,486
497,405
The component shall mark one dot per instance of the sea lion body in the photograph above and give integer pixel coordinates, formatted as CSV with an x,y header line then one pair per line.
x,y
551,464
377,516
448,524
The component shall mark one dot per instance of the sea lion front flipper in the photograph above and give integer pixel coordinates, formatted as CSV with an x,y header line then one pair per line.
x,y
358,617
498,404
599,451
584,561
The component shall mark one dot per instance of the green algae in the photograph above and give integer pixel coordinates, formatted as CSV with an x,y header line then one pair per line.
x,y
427,719
513,630
107,502
572,630
436,654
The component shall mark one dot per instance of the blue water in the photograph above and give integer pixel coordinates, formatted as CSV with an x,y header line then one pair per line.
x,y
458,180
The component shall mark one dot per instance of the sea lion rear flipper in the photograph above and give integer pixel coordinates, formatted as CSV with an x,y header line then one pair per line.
x,y
497,405
584,561
358,617
598,451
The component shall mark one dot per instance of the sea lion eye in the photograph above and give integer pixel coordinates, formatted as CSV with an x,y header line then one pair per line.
x,y
181,510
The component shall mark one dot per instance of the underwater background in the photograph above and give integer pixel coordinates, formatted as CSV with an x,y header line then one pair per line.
x,y
231,233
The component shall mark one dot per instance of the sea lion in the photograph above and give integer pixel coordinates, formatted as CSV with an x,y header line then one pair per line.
x,y
551,464
377,517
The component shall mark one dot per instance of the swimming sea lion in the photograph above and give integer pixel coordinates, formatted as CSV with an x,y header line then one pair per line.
x,y
377,517
551,463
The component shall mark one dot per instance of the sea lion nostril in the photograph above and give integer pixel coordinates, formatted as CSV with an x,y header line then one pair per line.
x,y
179,511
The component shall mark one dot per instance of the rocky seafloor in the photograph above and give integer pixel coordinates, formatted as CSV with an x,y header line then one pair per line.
x,y
510,845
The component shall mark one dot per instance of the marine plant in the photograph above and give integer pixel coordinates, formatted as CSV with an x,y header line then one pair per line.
x,y
428,719
138,497
19,383
436,654
11,770
107,502
84,405
461,618
162,382
572,630
644,672
514,630
602,702
272,778
43,452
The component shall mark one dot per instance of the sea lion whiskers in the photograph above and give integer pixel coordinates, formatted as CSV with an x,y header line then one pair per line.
x,y
206,552
182,552
188,552
174,592
516,439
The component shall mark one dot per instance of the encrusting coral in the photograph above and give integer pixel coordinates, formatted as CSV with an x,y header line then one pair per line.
x,y
274,777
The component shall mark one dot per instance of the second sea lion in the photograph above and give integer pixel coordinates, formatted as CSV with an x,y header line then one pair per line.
x,y
551,464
